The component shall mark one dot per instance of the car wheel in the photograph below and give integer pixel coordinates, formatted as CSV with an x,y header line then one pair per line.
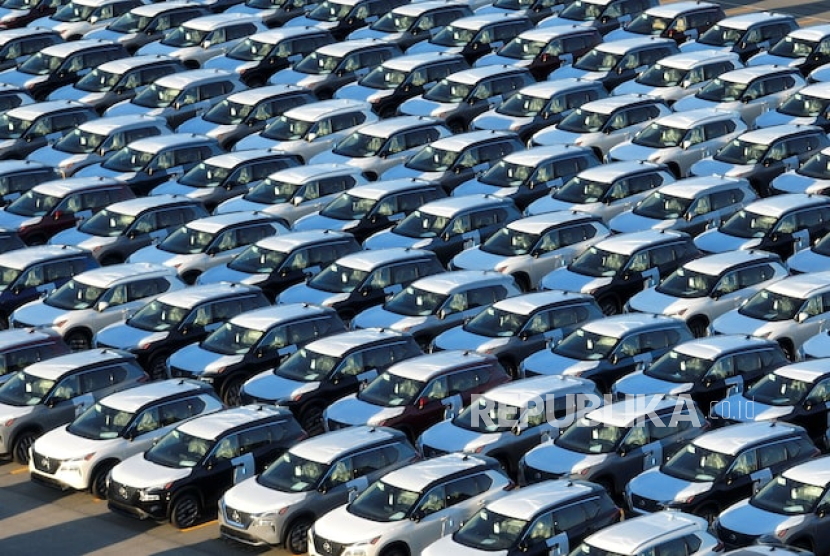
x,y
78,340
98,484
296,539
22,444
232,391
157,367
394,551
609,306
699,326
456,126
38,239
311,419
523,282
190,277
185,511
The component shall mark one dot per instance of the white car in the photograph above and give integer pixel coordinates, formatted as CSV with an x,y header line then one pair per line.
x,y
81,455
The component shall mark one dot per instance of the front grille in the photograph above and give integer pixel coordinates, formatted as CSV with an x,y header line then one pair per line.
x,y
327,547
733,539
430,452
237,517
45,464
120,492
645,504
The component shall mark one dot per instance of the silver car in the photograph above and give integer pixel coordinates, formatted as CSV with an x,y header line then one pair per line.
x,y
75,18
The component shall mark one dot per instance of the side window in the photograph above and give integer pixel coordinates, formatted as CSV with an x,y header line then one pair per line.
x,y
97,379
180,410
377,358
433,501
637,437
487,218
145,288
437,389
403,274
468,487
31,278
148,421
168,218
67,388
541,530
367,462
661,256
820,392
745,464
723,199
569,517
619,120
748,362
337,184
569,316
227,448
345,121
352,365
772,454
55,271
254,439
674,547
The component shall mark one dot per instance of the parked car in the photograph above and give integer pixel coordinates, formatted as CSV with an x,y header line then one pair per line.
x,y
604,15
812,176
808,106
21,348
342,17
18,45
745,34
77,17
408,24
805,49
19,176
811,259
680,21
31,126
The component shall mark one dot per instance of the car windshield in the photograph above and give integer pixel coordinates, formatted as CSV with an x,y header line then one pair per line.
x,y
79,141
522,105
771,306
106,223
228,112
585,345
156,96
508,242
359,145
791,47
130,23
522,48
718,35
788,497
182,37
257,260
72,12
490,531
205,175
648,24
98,81
748,224
305,365
659,136
679,367
598,262
486,417
415,302
74,295
384,78
687,284
287,128
586,549
587,436
722,90
100,422
337,278
33,203
348,207
582,11
448,91
250,50
507,174
453,36
187,241
420,224
391,390
778,390
822,246
41,64
291,473
804,106
494,322
179,450
817,166
12,127
384,503
597,60
330,11
662,76
583,121
663,206
697,464
740,151
158,316
25,389
232,339
582,190
19,4
317,63
393,23
128,159
431,159
7,276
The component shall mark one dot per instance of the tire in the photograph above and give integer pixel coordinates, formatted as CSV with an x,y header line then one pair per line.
x,y
185,511
98,483
675,169
311,419
325,94
699,326
232,391
4,322
78,340
21,446
190,277
296,538
38,239
609,306
456,126
157,367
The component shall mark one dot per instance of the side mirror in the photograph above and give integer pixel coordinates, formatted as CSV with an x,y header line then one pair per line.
x,y
441,314
808,405
365,290
730,478
58,214
615,359
417,516
150,171
131,234
311,137
767,162
422,402
745,100
206,44
323,488
707,383
102,306
823,510
801,317
524,335
688,217
446,236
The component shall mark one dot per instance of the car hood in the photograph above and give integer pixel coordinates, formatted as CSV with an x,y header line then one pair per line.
x,y
447,437
765,58
493,120
367,33
458,338
715,241
60,444
630,151
354,91
694,46
124,336
774,117
808,260
355,412
137,472
68,92
268,386
446,545
652,301
14,412
749,520
291,77
238,204
127,108
555,136
198,125
20,79
60,159
565,279
630,222
734,322
693,103
378,317
425,47
553,459
656,485
387,239
304,21
229,64
572,72
343,527
222,273
37,313
251,497
156,48
420,106
494,59
741,408
476,259
817,346
638,383
320,222
631,87
197,360
73,236
11,221
546,362
302,293
175,188
793,182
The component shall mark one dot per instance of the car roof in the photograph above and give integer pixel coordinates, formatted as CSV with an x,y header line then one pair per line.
x,y
547,89
408,62
689,60
212,426
528,502
633,535
369,260
133,399
161,142
522,392
13,337
547,34
609,104
389,126
464,140
345,47
717,264
477,21
527,303
806,371
267,317
328,447
450,206
814,472
745,21
540,223
308,172
448,282
339,344
22,258
779,205
64,49
690,188
627,412
474,75
324,108
739,436
678,8
812,33
138,205
690,118
67,186
537,155
7,35
273,36
187,78
216,21
257,94
627,45
419,475
191,296
122,65
109,124
11,165
712,347
612,171
378,189
802,285
286,243
619,325
107,276
32,111
628,243
425,367
767,135
750,73
235,158
56,367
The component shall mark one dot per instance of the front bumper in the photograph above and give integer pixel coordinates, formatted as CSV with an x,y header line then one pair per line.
x,y
125,500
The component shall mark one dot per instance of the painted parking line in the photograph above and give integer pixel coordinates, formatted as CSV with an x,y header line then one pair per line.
x,y
19,470
200,526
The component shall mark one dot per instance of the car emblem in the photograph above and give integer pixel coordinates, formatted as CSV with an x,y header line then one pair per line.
x,y
733,537
327,547
641,503
235,516
122,491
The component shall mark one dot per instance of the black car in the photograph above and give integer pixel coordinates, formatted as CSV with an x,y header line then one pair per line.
x,y
193,465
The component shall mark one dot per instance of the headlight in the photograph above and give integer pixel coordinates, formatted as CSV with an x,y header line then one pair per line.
x,y
360,549
153,494
267,519
75,463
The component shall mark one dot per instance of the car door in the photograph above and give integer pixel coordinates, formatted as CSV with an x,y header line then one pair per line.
x,y
66,401
542,539
814,414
